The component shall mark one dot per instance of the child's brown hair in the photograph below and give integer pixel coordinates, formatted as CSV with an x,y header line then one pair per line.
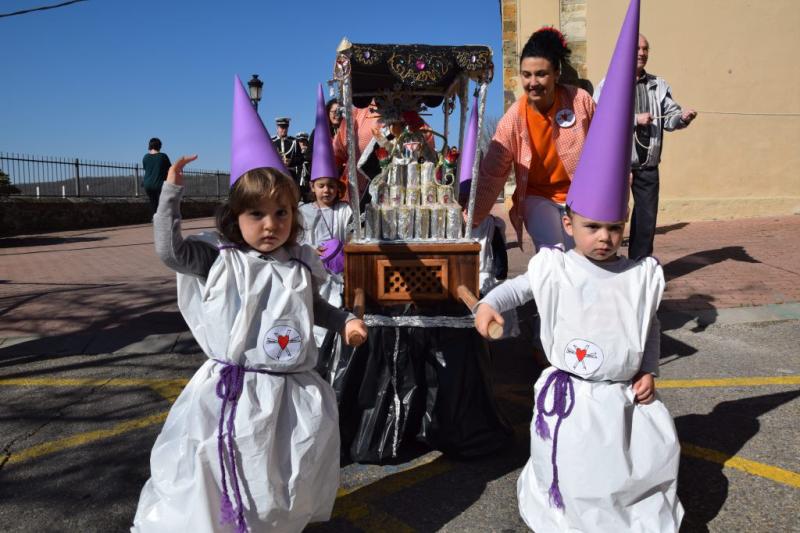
x,y
248,191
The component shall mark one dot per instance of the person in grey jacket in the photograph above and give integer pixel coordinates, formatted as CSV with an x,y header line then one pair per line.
x,y
655,111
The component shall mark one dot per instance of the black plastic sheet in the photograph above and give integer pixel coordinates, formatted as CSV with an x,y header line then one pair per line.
x,y
410,385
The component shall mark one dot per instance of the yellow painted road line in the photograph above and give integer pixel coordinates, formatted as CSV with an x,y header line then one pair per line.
x,y
786,477
166,388
170,388
369,518
88,382
754,381
426,460
353,505
85,438
402,480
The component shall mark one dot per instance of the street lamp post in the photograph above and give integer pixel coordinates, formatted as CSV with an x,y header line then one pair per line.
x,y
254,86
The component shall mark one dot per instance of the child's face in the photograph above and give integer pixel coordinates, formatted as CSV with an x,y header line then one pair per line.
x,y
598,241
266,226
326,190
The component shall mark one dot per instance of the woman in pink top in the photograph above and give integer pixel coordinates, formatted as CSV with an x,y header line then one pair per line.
x,y
540,138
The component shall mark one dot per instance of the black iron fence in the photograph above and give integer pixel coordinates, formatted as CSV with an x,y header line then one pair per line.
x,y
25,175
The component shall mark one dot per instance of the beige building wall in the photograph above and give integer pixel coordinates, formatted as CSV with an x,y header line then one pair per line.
x,y
735,62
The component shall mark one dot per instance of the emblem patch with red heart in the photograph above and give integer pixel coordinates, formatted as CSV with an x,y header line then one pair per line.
x,y
583,357
282,343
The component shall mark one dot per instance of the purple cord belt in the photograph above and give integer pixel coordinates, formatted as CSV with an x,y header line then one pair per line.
x,y
562,387
229,388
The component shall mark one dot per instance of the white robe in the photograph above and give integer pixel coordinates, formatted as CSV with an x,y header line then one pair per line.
x,y
326,223
617,460
256,313
320,225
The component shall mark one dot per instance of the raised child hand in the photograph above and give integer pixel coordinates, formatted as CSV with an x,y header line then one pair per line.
x,y
175,174
485,315
355,332
644,387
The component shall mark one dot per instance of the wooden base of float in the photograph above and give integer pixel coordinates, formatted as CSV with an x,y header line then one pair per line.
x,y
408,272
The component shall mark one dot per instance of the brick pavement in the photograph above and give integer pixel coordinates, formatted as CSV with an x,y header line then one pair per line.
x,y
718,264
78,281
110,279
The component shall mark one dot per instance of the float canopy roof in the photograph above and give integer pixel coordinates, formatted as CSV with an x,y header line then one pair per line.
x,y
431,72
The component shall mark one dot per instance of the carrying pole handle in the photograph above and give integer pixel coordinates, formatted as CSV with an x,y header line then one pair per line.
x,y
358,309
469,299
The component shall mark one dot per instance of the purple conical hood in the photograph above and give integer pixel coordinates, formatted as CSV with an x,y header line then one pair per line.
x,y
468,151
251,144
599,189
322,164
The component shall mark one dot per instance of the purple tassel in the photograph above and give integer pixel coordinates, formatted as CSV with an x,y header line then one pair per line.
x,y
555,495
226,514
542,429
229,387
563,402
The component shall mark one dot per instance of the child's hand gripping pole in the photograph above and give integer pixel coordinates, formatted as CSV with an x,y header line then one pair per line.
x,y
356,330
494,325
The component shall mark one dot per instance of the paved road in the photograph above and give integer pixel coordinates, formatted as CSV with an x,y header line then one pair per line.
x,y
112,406
90,361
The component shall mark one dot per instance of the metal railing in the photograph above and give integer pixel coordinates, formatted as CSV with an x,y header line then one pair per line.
x,y
39,176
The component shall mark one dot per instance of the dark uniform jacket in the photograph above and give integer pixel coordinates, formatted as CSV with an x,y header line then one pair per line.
x,y
288,149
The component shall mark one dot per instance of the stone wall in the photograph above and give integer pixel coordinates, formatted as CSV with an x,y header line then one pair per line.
x,y
572,21
520,19
508,10
739,158
27,216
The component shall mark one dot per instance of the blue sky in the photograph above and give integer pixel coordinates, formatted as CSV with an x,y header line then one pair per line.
x,y
97,79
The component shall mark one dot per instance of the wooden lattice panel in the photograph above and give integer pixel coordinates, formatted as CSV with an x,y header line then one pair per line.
x,y
405,272
412,279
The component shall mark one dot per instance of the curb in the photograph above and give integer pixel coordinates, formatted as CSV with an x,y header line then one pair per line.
x,y
702,318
